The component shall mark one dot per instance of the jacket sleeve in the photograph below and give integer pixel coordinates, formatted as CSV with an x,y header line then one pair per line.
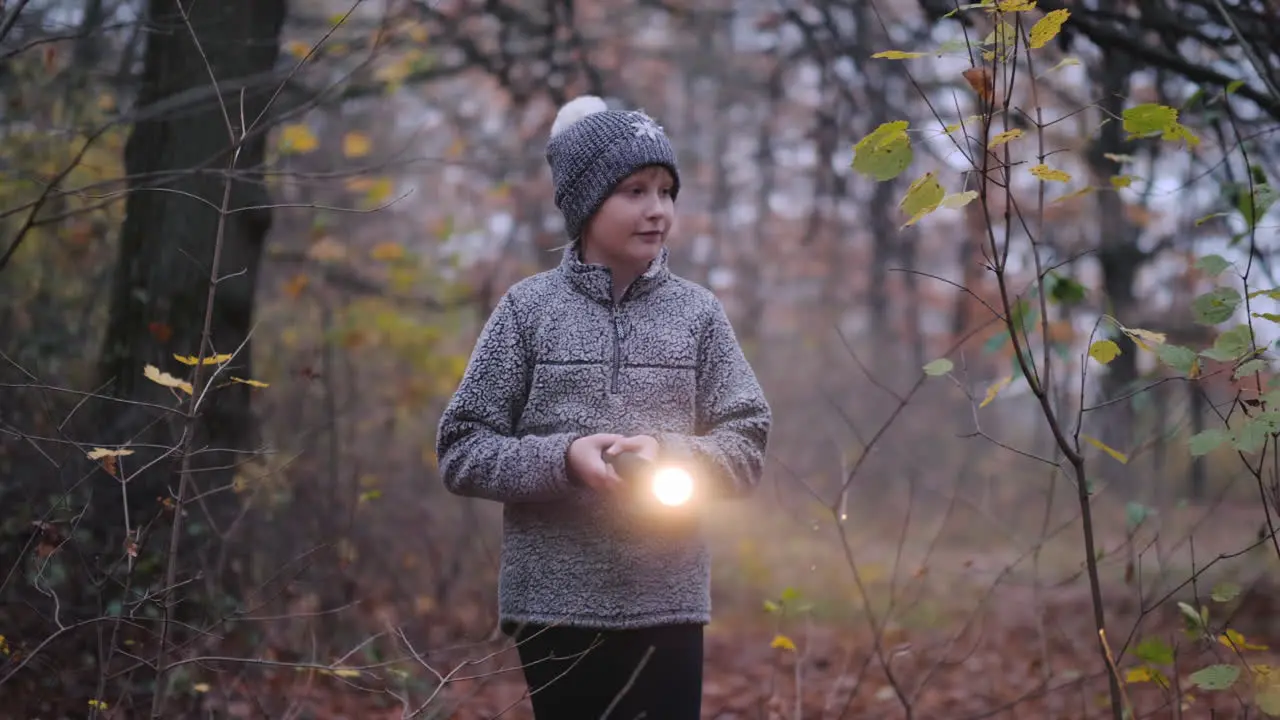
x,y
476,447
728,450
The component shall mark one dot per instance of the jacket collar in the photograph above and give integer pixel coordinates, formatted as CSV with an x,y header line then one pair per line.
x,y
596,281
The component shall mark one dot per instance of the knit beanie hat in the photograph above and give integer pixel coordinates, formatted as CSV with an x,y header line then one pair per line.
x,y
593,148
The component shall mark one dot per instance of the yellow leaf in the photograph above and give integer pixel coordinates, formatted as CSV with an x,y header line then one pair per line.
x,y
897,55
955,201
345,672
1122,181
201,687
99,453
297,48
294,286
1005,137
1138,674
1181,132
107,102
1119,456
297,139
1047,28
1233,639
782,642
1063,63
98,704
1141,337
327,249
923,197
1044,172
152,373
1074,194
1016,5
1104,351
210,360
396,72
251,383
385,251
884,152
376,190
355,144
417,32
994,390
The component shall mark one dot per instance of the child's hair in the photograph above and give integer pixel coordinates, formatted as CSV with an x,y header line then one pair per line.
x,y
593,148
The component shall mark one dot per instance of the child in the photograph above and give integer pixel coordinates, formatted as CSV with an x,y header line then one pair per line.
x,y
608,352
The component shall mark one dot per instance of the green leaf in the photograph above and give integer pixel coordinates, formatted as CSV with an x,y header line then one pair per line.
x,y
1177,357
1154,650
1203,443
1212,265
1135,514
1064,290
1104,351
1194,619
1149,118
995,342
1215,677
1225,592
941,366
897,55
1231,344
1250,367
1234,85
1253,207
1024,316
885,152
923,197
1268,700
1202,220
1251,436
1215,306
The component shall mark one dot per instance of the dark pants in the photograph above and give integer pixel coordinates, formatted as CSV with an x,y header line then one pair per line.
x,y
577,673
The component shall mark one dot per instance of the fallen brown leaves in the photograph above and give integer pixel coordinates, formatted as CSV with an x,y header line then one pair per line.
x,y
1005,663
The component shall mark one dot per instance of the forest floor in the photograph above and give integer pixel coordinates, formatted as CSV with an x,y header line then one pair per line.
x,y
935,625
958,626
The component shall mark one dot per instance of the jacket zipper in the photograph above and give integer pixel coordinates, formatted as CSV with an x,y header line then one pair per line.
x,y
617,336
617,350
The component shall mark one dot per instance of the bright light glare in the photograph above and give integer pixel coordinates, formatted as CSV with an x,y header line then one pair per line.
x,y
672,486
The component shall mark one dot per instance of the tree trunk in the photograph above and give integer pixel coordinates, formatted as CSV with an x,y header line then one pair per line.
x,y
160,289
1119,256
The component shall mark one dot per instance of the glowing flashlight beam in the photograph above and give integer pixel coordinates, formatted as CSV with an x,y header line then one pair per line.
x,y
672,486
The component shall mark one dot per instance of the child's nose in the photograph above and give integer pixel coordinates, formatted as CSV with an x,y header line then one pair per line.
x,y
655,208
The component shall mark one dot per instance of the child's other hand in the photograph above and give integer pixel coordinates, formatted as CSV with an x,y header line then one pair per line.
x,y
586,461
643,445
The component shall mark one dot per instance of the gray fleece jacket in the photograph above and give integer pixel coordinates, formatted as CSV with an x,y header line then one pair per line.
x,y
557,360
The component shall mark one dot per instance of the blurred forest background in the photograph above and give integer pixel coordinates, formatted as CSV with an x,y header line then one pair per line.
x,y
264,535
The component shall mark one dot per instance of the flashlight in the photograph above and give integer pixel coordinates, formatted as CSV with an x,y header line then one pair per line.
x,y
670,485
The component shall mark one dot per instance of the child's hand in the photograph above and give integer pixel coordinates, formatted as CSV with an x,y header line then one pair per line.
x,y
586,461
642,445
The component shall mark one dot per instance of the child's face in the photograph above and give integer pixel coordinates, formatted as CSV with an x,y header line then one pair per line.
x,y
632,224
